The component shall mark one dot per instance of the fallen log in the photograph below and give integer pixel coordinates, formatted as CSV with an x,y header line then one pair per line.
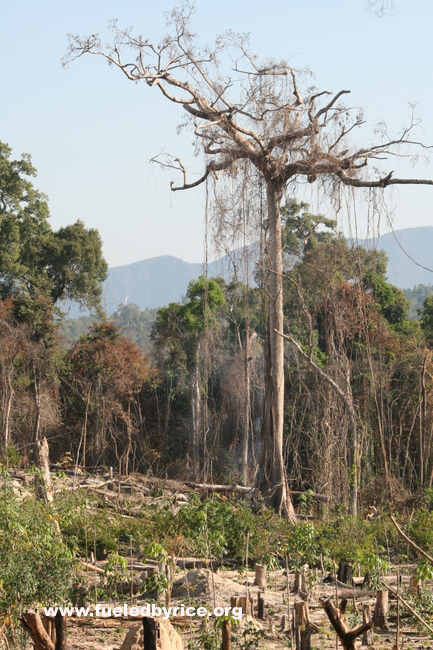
x,y
207,487
91,567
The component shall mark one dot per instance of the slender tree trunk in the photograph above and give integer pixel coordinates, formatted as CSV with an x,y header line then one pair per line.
x,y
7,419
37,391
86,417
196,413
246,423
273,459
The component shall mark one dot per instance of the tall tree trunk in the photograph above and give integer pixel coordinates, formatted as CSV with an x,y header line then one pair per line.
x,y
196,413
273,421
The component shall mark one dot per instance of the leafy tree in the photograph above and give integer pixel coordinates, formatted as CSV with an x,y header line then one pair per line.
x,y
180,334
40,267
426,314
392,301
302,230
36,567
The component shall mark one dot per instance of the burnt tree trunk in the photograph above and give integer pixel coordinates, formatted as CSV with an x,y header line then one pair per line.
x,y
345,573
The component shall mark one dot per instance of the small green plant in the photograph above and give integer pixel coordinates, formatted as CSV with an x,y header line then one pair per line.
x,y
305,501
13,456
155,585
115,571
376,567
424,570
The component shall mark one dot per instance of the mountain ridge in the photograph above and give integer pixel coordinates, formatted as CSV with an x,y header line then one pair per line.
x,y
156,281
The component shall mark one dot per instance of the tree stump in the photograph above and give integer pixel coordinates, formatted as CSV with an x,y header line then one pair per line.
x,y
226,636
302,617
241,601
150,633
260,607
260,575
381,609
300,582
415,585
367,639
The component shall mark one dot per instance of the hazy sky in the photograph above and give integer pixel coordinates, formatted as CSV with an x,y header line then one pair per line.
x,y
91,132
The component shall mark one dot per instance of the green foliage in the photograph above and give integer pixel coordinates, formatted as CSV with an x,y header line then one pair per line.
x,y
302,230
303,546
251,638
13,456
155,585
392,301
426,315
424,570
36,567
115,571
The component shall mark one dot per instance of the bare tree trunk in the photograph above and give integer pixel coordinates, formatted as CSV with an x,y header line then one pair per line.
x,y
273,420
196,414
43,460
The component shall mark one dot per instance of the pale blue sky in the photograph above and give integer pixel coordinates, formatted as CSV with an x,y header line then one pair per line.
x,y
91,132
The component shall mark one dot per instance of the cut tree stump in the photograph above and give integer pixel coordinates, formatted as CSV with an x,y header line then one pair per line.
x,y
241,601
300,583
415,585
150,633
303,639
260,607
302,617
226,636
336,618
367,639
381,610
260,575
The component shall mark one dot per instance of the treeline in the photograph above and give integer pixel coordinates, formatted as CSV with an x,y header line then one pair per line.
x,y
358,372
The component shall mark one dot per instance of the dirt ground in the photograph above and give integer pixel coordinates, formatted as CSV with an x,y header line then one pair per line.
x,y
196,587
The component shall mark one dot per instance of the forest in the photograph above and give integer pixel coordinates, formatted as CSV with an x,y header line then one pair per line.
x,y
176,396
265,443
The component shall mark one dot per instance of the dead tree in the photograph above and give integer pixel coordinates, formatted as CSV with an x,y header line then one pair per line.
x,y
336,618
32,623
246,113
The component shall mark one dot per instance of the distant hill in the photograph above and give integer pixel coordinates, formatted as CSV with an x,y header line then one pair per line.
x,y
157,281
154,282
402,271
